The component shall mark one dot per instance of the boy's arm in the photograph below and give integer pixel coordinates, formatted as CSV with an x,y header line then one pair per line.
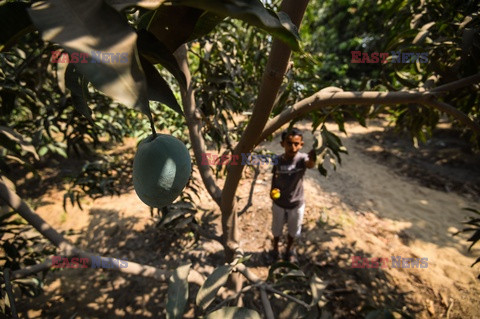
x,y
312,159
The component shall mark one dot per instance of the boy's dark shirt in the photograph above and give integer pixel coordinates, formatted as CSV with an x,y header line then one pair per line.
x,y
288,178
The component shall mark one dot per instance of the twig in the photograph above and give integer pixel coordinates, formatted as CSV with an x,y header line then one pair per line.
x,y
450,308
32,269
195,125
256,280
8,288
278,292
266,304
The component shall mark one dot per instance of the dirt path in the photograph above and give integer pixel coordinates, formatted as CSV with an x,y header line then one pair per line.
x,y
363,209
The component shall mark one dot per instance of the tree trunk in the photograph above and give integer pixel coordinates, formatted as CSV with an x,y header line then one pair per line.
x,y
271,81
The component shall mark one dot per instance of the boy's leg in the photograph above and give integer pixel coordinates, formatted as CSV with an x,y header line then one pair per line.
x,y
278,219
295,219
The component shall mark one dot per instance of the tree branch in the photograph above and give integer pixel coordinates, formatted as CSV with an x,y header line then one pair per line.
x,y
194,124
68,250
241,268
8,289
324,99
469,80
266,304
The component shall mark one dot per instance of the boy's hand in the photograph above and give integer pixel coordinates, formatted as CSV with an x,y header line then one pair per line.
x,y
312,158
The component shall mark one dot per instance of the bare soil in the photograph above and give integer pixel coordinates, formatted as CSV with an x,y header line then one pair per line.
x,y
386,199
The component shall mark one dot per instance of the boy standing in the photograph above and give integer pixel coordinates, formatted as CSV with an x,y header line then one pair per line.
x,y
287,190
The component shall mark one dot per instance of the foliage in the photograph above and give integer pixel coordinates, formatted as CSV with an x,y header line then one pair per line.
x,y
75,108
22,246
473,226
447,31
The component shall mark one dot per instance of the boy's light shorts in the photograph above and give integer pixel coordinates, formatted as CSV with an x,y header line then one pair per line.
x,y
293,217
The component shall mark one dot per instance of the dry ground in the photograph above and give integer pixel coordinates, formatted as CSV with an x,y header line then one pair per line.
x,y
387,199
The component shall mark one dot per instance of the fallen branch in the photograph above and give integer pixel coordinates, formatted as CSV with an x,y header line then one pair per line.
x,y
68,250
241,268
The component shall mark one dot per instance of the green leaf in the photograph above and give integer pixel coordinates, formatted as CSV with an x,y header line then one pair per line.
x,y
177,294
77,85
122,4
205,24
282,264
473,210
210,287
317,287
92,27
173,25
253,12
14,23
233,313
171,216
156,52
158,88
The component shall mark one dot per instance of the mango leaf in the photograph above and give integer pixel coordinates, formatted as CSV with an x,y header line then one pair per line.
x,y
177,294
253,12
233,313
173,25
280,265
423,33
14,22
122,4
77,85
9,139
171,216
210,287
205,24
317,287
156,52
158,88
94,28
334,143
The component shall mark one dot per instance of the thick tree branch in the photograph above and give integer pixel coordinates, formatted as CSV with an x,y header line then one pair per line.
x,y
469,80
194,124
323,99
271,81
68,250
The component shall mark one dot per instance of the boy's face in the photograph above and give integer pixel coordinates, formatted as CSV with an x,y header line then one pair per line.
x,y
292,144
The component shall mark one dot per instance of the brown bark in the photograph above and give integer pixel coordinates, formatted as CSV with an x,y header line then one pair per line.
x,y
194,124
